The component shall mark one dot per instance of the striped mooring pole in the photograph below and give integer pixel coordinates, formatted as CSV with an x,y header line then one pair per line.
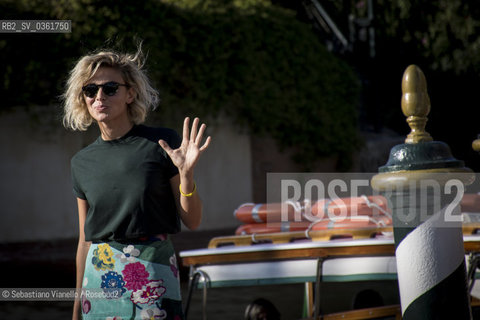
x,y
422,181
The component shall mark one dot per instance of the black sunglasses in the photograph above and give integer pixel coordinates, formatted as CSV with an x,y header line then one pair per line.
x,y
109,88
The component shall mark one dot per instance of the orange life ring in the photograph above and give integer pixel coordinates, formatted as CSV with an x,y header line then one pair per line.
x,y
272,227
324,224
355,222
267,212
346,207
325,208
470,202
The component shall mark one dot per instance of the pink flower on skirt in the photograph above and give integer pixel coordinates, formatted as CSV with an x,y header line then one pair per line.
x,y
173,265
149,293
135,276
86,305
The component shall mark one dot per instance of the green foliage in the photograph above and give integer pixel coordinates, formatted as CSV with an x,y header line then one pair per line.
x,y
248,59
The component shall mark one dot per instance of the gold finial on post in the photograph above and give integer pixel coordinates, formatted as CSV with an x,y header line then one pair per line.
x,y
476,144
415,104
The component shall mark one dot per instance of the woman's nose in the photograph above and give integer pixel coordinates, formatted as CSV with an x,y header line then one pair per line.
x,y
100,94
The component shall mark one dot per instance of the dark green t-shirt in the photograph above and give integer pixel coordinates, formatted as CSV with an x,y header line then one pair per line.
x,y
126,183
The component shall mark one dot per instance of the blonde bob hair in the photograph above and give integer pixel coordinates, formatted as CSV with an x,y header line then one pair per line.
x,y
76,115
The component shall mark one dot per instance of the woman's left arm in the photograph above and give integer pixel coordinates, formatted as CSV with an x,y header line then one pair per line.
x,y
185,159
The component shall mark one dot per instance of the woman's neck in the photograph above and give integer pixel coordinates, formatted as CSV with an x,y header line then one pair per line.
x,y
109,132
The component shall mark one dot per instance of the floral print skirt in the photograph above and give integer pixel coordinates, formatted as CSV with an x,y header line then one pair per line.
x,y
134,280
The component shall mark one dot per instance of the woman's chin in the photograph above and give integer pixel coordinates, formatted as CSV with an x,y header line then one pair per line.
x,y
101,117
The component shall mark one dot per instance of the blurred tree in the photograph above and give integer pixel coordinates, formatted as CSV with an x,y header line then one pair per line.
x,y
443,38
444,33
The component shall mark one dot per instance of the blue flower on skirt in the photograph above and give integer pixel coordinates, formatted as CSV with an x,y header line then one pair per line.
x,y
113,285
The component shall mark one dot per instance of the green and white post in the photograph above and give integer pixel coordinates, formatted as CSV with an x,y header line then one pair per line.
x,y
422,181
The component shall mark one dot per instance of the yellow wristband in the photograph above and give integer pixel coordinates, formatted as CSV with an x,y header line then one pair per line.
x,y
187,194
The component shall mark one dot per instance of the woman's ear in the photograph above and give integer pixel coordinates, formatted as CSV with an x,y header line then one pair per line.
x,y
131,94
